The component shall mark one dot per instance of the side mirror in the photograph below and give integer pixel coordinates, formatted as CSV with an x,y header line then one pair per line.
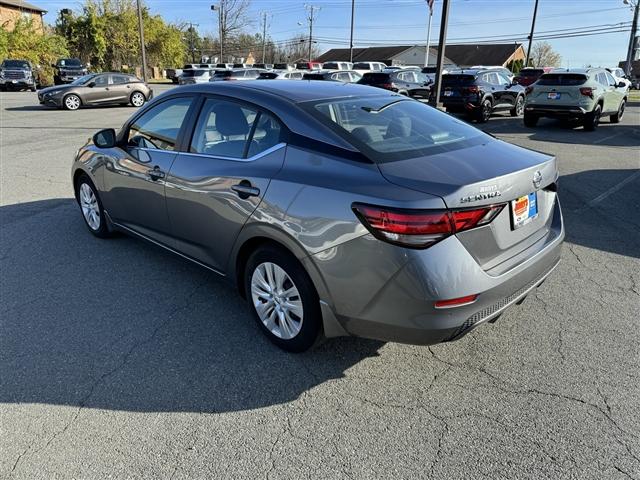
x,y
621,85
91,84
105,138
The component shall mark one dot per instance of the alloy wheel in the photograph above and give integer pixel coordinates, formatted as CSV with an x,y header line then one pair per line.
x,y
72,102
486,111
519,106
89,205
137,99
277,300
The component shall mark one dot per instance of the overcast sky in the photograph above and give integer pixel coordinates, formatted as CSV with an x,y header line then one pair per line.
x,y
404,22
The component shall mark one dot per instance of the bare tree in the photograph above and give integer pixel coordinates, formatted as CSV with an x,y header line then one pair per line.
x,y
235,17
543,55
297,48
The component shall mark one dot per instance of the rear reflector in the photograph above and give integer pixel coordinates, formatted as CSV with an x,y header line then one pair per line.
x,y
456,302
421,228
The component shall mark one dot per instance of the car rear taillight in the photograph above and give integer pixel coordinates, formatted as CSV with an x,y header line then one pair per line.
x,y
528,90
471,89
421,228
586,91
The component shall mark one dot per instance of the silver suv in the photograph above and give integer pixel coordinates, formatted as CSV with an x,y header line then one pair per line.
x,y
582,94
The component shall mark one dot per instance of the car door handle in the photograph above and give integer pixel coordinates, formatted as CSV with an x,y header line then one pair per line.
x,y
155,173
244,189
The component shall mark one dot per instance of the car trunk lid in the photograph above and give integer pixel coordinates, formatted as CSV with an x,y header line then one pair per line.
x,y
488,173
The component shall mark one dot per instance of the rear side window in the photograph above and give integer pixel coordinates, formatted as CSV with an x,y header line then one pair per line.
x,y
533,72
159,127
386,129
567,79
120,79
228,129
361,66
331,66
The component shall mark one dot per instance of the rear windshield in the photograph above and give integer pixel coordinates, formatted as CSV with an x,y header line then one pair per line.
x,y
20,64
313,76
457,79
375,78
302,66
194,73
562,79
331,66
387,129
361,66
223,74
280,66
221,65
534,72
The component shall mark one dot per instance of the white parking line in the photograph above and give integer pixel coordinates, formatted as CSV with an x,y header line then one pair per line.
x,y
612,190
608,138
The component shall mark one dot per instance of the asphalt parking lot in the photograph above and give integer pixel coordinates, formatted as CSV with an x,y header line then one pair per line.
x,y
118,360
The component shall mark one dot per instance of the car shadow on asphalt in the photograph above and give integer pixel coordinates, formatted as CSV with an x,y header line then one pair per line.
x,y
119,324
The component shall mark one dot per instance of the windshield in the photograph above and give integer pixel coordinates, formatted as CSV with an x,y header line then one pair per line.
x,y
20,64
388,129
82,80
70,62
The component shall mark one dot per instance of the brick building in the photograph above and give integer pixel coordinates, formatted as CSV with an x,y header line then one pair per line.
x,y
12,10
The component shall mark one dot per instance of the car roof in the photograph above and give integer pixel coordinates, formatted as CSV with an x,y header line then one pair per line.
x,y
294,91
584,71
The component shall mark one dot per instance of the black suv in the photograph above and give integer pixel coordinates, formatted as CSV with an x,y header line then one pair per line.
x,y
412,83
67,70
480,92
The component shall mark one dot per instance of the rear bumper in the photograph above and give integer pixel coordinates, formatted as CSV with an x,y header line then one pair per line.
x,y
387,293
555,111
460,104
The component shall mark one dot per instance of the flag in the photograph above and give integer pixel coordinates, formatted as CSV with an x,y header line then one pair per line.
x,y
430,3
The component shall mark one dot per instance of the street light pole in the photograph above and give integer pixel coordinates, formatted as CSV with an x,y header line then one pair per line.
x,y
426,53
142,49
533,26
220,10
632,37
353,10
435,100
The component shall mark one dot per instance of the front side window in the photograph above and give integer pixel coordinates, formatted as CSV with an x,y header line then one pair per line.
x,y
387,129
159,127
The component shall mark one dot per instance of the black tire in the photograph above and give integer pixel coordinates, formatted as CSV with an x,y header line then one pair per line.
x,y
312,317
134,99
484,112
518,108
71,102
616,117
591,120
102,230
530,120
33,89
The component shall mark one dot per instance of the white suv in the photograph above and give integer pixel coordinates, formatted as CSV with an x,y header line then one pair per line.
x,y
366,67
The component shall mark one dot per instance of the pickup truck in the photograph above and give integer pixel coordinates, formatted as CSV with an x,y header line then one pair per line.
x,y
67,70
17,74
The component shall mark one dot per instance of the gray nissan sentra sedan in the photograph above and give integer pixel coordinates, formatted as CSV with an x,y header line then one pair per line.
x,y
336,209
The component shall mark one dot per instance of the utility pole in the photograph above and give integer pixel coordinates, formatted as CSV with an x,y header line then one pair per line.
x,y
353,11
312,9
435,100
632,38
533,26
220,9
142,49
264,35
192,46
